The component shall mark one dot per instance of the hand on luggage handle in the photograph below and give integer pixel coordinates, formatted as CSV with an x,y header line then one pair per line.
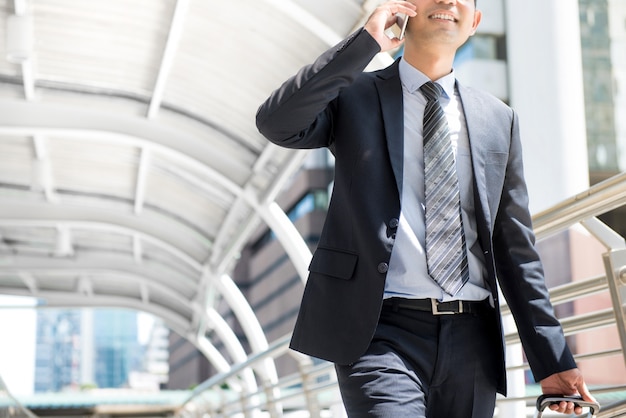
x,y
544,401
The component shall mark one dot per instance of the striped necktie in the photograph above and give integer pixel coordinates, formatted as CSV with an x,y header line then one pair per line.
x,y
445,240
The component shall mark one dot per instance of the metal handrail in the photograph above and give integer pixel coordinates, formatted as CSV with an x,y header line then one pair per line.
x,y
580,208
614,410
13,406
577,323
571,291
274,350
597,200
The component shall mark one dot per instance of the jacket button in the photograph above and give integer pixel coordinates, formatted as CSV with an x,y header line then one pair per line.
x,y
393,223
383,267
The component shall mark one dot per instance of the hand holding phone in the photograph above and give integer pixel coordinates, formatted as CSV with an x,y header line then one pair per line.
x,y
401,20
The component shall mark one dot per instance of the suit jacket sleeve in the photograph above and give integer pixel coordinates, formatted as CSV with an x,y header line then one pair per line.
x,y
520,273
299,113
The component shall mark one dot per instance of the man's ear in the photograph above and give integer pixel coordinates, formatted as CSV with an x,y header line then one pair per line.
x,y
477,16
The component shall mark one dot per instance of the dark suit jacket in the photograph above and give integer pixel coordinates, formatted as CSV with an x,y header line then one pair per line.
x,y
359,117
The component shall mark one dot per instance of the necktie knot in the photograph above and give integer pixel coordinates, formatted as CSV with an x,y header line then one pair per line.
x,y
432,91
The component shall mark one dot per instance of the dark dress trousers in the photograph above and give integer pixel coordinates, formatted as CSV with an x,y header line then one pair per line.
x,y
359,117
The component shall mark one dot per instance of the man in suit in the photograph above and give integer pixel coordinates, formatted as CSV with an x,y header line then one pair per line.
x,y
405,344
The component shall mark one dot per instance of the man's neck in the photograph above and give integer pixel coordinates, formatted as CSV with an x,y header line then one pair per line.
x,y
433,64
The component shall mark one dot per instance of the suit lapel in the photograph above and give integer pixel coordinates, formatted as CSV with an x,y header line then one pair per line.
x,y
390,96
477,130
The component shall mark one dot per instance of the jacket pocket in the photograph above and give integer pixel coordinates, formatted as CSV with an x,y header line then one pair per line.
x,y
334,263
497,158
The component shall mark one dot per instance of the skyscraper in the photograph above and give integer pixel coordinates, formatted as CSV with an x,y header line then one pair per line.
x,y
58,352
86,347
116,346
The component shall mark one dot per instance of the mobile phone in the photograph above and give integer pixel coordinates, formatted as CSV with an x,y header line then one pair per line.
x,y
401,20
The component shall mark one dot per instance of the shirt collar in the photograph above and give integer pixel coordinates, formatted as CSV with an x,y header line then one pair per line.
x,y
412,79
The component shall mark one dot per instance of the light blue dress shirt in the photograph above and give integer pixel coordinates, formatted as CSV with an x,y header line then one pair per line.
x,y
408,275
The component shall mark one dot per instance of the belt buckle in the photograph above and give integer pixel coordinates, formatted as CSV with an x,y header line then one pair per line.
x,y
435,308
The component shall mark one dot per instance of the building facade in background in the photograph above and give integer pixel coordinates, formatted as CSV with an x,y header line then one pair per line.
x,y
116,347
58,350
97,348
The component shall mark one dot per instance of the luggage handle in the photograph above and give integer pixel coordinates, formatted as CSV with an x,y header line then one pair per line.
x,y
544,401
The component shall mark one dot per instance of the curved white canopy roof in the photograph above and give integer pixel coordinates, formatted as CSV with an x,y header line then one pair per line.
x,y
131,170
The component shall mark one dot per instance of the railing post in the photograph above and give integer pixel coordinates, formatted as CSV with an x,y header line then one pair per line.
x,y
516,383
305,363
615,265
272,406
246,406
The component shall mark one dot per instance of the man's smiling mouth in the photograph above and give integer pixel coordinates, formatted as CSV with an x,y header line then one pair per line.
x,y
442,16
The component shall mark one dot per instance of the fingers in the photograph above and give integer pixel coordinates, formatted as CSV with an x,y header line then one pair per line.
x,y
566,408
571,407
392,7
383,17
402,7
584,392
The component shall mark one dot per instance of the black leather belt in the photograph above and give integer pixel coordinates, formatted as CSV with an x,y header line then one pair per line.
x,y
439,308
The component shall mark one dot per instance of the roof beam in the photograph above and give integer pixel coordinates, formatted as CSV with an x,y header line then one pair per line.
x,y
33,271
20,30
64,246
142,175
225,246
171,47
168,235
306,20
289,237
84,287
232,344
28,119
28,79
33,220
224,252
247,319
56,299
144,282
29,281
42,169
137,249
